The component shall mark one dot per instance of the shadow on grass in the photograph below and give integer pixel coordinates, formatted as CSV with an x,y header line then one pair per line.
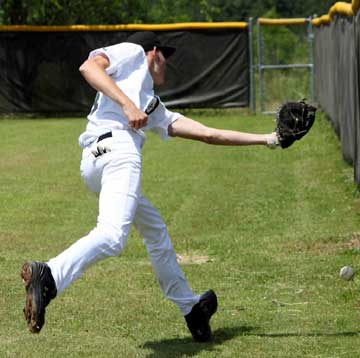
x,y
186,347
311,334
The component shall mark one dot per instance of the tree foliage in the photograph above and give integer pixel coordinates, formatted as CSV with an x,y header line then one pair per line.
x,y
71,12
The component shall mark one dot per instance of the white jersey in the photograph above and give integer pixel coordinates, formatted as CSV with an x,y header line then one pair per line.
x,y
129,70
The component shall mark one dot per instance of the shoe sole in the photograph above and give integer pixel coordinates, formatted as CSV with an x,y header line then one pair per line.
x,y
33,317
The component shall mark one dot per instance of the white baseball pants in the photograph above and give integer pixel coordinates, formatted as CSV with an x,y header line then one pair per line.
x,y
116,176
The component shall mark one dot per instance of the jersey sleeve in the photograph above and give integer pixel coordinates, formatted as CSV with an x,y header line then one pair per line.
x,y
161,118
123,55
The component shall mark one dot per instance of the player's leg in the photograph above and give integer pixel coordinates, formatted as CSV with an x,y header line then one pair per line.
x,y
119,179
152,230
117,205
197,310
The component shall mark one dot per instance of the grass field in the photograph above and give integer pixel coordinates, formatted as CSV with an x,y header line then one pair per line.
x,y
267,230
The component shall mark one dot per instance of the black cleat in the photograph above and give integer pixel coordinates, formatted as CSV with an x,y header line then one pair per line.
x,y
40,290
199,317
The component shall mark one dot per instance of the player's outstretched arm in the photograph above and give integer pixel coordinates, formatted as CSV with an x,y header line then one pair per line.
x,y
189,129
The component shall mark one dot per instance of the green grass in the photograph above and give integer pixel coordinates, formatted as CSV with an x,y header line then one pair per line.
x,y
273,227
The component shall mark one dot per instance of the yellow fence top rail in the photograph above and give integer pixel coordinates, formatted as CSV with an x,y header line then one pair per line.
x,y
355,4
322,20
279,22
339,8
127,27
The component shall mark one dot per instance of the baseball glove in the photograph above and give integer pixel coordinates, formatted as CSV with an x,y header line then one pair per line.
x,y
293,121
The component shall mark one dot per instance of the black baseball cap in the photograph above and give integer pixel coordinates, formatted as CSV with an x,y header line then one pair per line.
x,y
148,40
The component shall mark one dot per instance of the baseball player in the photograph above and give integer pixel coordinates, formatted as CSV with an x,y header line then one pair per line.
x,y
124,109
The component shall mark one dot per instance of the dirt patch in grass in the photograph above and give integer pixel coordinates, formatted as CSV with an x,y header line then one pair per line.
x,y
329,245
192,259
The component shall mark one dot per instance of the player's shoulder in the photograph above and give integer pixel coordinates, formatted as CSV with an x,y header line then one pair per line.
x,y
122,56
126,48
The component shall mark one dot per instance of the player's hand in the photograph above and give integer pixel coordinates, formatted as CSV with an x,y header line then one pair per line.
x,y
136,118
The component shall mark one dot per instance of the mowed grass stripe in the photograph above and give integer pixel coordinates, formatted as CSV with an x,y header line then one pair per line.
x,y
268,230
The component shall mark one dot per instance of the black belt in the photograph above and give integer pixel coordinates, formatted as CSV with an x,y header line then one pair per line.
x,y
105,135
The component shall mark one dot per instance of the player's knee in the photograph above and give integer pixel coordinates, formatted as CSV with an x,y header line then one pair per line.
x,y
112,239
161,255
157,242
153,232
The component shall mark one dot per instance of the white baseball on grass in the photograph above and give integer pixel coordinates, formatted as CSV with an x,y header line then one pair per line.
x,y
347,273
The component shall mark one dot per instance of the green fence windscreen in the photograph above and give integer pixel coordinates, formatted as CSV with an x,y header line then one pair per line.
x,y
39,70
337,81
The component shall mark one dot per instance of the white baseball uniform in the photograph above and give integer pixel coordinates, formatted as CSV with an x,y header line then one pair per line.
x,y
116,176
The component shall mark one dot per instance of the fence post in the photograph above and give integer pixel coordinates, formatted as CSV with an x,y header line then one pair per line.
x,y
310,36
260,66
251,67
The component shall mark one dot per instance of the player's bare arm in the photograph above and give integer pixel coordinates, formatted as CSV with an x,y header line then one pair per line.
x,y
188,128
93,70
